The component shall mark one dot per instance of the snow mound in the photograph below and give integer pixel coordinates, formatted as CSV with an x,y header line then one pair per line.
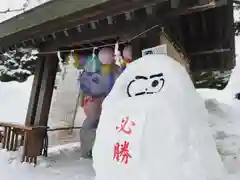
x,y
154,126
14,98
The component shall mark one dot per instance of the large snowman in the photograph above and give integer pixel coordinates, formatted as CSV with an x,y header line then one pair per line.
x,y
153,126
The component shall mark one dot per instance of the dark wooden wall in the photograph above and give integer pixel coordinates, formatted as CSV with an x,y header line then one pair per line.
x,y
207,37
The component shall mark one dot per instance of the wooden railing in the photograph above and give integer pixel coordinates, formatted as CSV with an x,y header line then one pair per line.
x,y
33,139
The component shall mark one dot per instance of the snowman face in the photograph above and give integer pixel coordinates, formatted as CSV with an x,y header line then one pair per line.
x,y
142,85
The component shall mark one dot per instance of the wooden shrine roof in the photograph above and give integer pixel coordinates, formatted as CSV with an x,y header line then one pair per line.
x,y
204,28
57,15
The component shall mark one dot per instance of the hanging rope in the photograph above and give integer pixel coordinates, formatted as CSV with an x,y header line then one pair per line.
x,y
101,46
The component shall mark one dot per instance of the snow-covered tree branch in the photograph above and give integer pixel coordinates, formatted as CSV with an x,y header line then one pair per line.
x,y
17,66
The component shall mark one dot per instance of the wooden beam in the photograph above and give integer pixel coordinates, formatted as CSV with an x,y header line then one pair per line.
x,y
121,27
210,52
47,86
32,106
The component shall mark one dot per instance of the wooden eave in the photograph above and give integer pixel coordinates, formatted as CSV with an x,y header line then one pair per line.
x,y
47,18
58,15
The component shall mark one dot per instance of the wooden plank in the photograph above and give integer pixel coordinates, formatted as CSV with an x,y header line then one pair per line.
x,y
32,105
47,86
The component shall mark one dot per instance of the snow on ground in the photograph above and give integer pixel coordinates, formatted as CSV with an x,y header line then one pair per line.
x,y
63,163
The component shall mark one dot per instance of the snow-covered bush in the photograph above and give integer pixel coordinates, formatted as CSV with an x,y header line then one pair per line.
x,y
17,66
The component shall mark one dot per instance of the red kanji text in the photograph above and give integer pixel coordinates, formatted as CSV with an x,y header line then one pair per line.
x,y
125,126
121,152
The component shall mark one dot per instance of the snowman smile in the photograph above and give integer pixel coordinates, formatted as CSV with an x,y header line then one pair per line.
x,y
152,84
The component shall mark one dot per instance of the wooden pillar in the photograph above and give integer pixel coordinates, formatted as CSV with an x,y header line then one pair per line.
x,y
46,91
32,106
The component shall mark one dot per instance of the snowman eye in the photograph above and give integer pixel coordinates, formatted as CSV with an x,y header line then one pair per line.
x,y
155,83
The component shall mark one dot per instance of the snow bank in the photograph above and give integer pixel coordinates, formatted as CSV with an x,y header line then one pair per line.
x,y
14,98
157,111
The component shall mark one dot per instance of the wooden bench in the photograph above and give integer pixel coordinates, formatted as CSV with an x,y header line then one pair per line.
x,y
34,140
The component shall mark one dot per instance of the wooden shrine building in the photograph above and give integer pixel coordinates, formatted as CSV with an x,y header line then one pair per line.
x,y
201,29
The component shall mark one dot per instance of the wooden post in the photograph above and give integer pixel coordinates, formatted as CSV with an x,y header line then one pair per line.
x,y
46,91
32,106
